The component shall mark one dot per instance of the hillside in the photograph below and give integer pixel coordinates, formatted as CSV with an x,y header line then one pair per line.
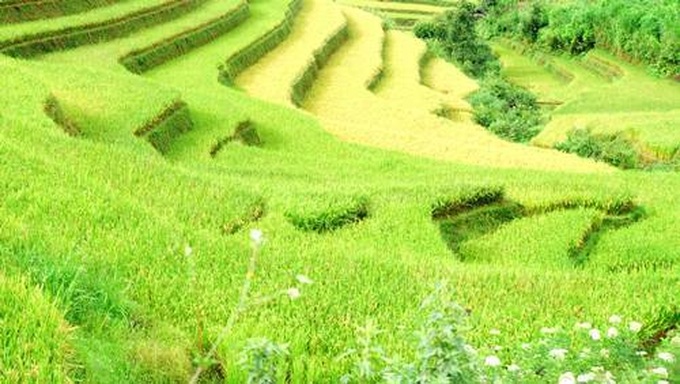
x,y
142,140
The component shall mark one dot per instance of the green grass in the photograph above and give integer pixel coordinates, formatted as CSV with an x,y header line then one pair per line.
x,y
93,228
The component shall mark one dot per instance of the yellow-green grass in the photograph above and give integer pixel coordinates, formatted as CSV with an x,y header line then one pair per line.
x,y
107,54
341,90
394,6
657,130
401,82
34,335
444,77
101,229
272,77
114,12
624,98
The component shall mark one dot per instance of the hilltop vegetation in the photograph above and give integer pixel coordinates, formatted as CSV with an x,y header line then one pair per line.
x,y
141,142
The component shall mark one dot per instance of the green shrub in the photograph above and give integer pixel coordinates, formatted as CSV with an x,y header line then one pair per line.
x,y
454,34
615,149
507,110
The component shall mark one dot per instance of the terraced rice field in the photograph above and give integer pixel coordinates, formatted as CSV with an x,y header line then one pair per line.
x,y
602,93
135,166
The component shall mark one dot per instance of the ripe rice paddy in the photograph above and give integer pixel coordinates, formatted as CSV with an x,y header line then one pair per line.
x,y
122,262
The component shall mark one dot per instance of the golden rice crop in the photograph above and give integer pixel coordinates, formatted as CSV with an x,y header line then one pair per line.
x,y
271,77
340,92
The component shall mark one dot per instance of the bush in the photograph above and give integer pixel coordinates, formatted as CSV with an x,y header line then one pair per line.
x,y
455,36
507,110
615,149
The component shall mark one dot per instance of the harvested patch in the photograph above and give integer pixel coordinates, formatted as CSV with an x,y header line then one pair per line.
x,y
54,111
480,214
162,129
611,221
245,133
330,215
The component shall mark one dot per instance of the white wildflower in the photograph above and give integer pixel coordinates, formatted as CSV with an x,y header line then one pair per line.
x,y
492,361
256,237
609,378
302,279
494,332
513,368
675,340
666,356
615,319
293,293
585,377
497,348
567,378
584,325
470,349
660,371
595,334
641,353
188,251
558,353
663,382
612,332
635,326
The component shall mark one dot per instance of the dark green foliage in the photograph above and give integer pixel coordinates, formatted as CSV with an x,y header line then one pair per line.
x,y
647,31
334,215
615,149
455,36
531,25
507,110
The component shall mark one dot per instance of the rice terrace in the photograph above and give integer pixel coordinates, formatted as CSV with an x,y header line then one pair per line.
x,y
348,191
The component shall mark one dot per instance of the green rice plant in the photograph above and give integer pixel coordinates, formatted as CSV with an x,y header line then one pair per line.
x,y
30,42
144,59
330,216
22,11
36,340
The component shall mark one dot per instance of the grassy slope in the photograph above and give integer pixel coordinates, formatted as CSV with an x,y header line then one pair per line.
x,y
106,54
102,225
631,101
